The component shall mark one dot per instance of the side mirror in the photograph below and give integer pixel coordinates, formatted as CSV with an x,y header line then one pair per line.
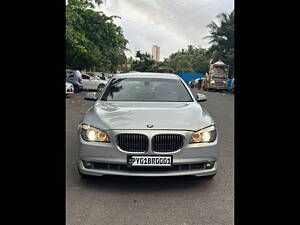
x,y
201,98
91,96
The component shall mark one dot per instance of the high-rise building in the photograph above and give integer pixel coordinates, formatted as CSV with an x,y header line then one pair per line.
x,y
155,52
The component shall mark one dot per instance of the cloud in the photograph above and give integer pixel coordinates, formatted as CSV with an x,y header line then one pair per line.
x,y
170,24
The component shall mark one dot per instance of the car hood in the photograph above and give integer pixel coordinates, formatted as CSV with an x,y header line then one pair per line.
x,y
136,115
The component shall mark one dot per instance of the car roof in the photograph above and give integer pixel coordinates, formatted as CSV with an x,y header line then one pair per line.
x,y
146,75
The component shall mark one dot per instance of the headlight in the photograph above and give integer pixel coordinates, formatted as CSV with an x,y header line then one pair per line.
x,y
205,135
89,133
212,82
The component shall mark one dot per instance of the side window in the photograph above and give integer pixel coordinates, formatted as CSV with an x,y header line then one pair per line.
x,y
85,77
70,75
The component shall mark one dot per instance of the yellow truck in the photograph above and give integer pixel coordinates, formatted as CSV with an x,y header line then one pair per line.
x,y
217,77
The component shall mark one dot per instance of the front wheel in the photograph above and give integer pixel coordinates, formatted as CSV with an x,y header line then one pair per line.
x,y
82,176
100,87
209,177
76,89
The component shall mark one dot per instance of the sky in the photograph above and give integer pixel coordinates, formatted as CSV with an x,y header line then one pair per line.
x,y
170,24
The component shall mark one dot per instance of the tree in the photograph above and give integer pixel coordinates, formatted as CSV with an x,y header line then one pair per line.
x,y
196,59
93,41
190,60
229,60
181,64
145,62
222,39
222,36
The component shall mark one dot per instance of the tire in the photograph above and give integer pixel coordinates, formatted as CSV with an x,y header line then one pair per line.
x,y
209,177
82,176
101,86
76,89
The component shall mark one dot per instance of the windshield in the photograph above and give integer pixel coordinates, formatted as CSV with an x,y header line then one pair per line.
x,y
146,89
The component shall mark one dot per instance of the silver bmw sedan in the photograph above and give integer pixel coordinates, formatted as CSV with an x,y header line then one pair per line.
x,y
147,124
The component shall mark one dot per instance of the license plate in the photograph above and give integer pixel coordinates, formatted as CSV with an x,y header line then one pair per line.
x,y
153,161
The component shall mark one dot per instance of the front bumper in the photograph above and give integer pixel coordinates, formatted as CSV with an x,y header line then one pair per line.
x,y
219,87
145,173
110,153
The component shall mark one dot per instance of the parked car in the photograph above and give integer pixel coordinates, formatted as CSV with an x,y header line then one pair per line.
x,y
102,76
69,88
92,83
92,74
109,75
198,82
147,124
75,78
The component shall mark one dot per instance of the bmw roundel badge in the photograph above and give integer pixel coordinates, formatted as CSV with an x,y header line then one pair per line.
x,y
150,125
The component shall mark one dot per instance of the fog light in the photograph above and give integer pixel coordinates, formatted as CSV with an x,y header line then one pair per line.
x,y
87,164
209,165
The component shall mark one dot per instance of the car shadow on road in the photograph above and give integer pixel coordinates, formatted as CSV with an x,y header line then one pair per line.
x,y
145,184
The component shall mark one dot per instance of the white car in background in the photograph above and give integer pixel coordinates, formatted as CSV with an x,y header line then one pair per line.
x,y
102,76
92,83
69,88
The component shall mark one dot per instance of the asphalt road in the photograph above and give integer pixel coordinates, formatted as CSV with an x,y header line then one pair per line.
x,y
116,200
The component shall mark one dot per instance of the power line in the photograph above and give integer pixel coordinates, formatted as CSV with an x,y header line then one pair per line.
x,y
170,5
139,19
129,9
129,12
164,20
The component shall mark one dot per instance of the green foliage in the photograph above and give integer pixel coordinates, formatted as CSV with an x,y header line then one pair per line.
x,y
222,40
181,64
229,60
190,60
196,60
144,64
93,41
